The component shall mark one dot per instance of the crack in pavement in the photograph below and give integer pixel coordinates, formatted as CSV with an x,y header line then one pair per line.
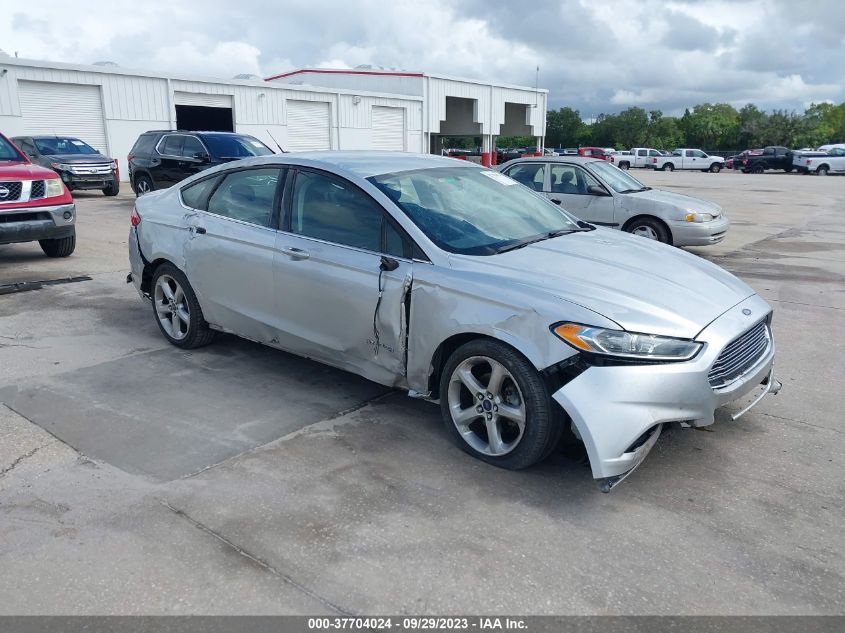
x,y
16,462
258,561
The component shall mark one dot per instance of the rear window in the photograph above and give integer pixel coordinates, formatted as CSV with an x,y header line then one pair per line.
x,y
144,144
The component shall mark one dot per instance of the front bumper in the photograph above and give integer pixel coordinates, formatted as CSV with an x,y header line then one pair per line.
x,y
76,182
699,233
28,224
612,408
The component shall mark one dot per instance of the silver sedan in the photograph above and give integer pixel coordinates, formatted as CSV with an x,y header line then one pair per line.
x,y
605,195
456,284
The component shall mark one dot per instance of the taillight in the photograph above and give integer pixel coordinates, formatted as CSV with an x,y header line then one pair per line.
x,y
116,170
654,160
129,158
135,219
809,162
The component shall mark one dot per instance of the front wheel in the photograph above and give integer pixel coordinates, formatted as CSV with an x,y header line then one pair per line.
x,y
624,166
649,228
715,168
496,406
62,247
112,189
177,310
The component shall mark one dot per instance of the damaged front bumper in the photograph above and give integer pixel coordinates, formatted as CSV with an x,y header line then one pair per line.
x,y
619,411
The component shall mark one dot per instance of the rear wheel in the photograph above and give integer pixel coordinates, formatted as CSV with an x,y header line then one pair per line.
x,y
668,167
822,171
496,406
650,228
61,247
624,166
143,185
177,310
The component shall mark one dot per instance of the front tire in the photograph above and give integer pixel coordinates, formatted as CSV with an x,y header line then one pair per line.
x,y
496,406
177,310
715,168
113,189
649,228
624,166
62,247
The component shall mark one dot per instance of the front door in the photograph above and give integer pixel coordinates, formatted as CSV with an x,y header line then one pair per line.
x,y
230,252
580,193
342,272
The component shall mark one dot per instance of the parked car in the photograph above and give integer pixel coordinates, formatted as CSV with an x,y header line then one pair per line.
x,y
637,157
451,281
602,194
685,158
34,204
78,164
772,157
821,163
161,158
593,152
735,161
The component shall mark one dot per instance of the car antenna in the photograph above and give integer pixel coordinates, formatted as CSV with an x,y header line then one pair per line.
x,y
276,142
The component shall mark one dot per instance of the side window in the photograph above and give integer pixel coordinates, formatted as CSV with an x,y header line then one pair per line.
x,y
571,179
653,152
246,195
194,195
172,145
699,154
336,211
642,152
192,147
531,175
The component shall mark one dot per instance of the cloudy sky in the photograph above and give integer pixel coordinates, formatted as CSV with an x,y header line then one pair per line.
x,y
594,55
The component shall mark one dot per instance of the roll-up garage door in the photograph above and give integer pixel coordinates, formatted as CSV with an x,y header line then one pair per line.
x,y
388,128
202,99
63,109
309,125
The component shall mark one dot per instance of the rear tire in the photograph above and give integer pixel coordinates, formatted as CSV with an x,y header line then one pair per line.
x,y
520,389
177,310
62,247
649,228
757,169
113,189
624,166
823,170
668,167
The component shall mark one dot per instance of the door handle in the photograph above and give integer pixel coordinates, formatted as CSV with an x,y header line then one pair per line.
x,y
557,200
295,253
200,230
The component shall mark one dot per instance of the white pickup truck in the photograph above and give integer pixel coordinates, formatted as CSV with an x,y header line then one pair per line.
x,y
820,163
637,157
689,159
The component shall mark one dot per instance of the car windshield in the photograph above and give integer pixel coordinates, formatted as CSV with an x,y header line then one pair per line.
x,y
615,178
231,146
7,151
474,211
62,145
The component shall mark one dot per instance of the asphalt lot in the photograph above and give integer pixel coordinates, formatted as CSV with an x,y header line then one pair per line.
x,y
138,478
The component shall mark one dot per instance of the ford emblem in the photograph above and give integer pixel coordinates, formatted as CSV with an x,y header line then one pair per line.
x,y
746,312
4,192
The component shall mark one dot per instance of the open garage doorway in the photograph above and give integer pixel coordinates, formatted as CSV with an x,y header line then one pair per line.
x,y
205,118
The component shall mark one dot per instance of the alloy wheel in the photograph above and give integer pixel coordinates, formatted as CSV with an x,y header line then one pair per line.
x,y
644,230
171,307
486,406
143,187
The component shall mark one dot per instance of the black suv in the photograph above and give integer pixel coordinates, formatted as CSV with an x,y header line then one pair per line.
x,y
79,165
162,158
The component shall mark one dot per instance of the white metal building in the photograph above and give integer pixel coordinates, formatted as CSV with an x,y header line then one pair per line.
x,y
109,107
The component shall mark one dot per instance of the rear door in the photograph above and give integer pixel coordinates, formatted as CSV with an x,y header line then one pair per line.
x,y
229,255
166,171
336,300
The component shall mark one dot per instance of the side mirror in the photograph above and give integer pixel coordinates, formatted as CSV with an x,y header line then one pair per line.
x,y
202,156
595,190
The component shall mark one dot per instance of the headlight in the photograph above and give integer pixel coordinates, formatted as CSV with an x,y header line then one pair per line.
x,y
700,217
54,187
60,166
623,344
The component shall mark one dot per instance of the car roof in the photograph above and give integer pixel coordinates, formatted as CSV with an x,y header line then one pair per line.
x,y
558,159
375,163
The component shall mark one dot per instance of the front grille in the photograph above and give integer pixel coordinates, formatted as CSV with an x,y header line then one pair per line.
x,y
12,189
740,355
91,168
37,190
8,218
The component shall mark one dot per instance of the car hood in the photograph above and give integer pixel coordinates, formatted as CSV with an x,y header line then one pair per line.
x,y
677,200
77,158
18,170
642,285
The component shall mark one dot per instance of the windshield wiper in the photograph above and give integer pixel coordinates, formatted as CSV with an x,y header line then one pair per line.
x,y
636,190
583,227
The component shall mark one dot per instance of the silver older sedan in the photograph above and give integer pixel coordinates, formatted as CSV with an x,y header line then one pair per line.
x,y
456,284
601,193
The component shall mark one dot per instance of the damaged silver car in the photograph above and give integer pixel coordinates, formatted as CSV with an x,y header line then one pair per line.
x,y
456,284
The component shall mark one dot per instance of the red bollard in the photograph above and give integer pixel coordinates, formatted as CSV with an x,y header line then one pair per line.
x,y
485,159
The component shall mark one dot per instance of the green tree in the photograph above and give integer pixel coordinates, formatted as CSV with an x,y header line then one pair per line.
x,y
710,125
630,128
663,132
752,122
563,127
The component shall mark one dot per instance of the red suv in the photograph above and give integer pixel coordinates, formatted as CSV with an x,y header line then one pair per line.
x,y
593,152
34,204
